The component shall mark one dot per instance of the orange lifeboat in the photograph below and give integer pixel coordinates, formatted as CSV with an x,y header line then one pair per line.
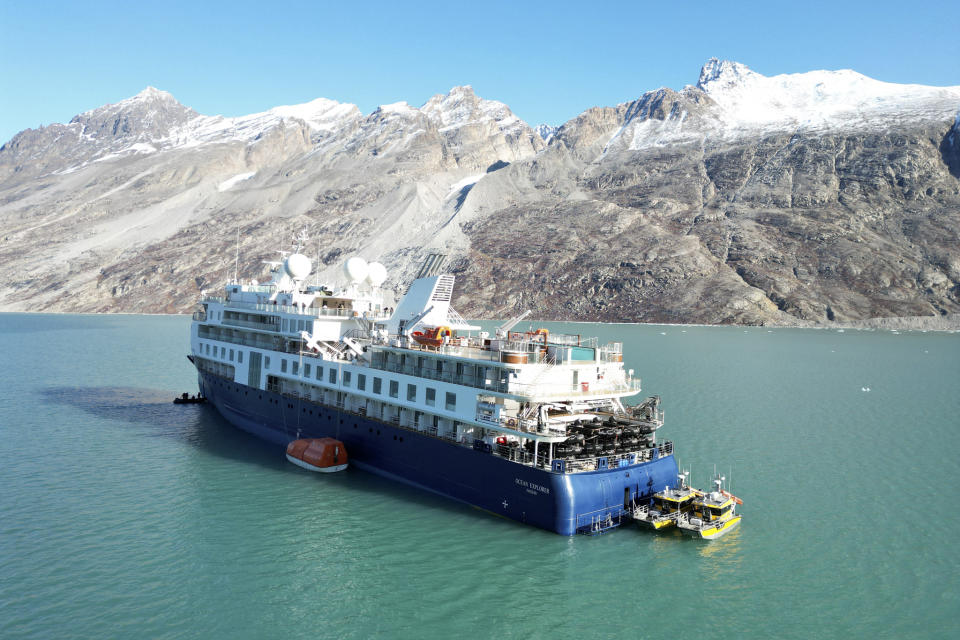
x,y
432,337
318,454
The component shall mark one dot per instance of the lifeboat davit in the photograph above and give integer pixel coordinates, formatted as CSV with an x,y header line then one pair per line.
x,y
432,337
318,454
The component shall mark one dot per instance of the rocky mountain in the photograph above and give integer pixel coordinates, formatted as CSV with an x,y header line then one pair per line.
x,y
815,198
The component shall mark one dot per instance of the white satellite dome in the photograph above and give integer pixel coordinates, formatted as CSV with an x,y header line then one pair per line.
x,y
356,269
376,274
297,266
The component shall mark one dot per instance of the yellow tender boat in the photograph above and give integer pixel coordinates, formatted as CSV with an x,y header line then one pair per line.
x,y
712,514
667,505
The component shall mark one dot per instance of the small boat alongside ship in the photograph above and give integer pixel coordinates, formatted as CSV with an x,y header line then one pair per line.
x,y
186,398
668,505
712,514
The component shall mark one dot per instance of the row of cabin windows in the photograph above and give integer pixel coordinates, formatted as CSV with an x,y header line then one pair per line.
x,y
222,352
430,395
289,325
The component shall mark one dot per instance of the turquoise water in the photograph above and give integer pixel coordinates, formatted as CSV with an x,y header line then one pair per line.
x,y
125,516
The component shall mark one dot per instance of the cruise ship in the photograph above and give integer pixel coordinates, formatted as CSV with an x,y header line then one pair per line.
x,y
529,425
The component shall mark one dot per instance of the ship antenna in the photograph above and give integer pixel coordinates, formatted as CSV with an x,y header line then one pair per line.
x,y
236,261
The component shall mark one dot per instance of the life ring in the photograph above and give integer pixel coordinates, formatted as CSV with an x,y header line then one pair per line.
x,y
511,422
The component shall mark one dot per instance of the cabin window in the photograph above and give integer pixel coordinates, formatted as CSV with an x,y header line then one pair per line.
x,y
394,388
361,381
431,397
459,368
333,376
346,378
286,325
451,401
266,362
231,355
296,367
319,373
306,370
376,385
239,356
283,365
439,366
412,392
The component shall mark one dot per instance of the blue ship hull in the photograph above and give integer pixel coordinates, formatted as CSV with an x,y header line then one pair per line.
x,y
563,503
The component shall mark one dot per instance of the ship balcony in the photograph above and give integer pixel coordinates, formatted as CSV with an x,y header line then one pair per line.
x,y
521,425
579,464
595,389
315,312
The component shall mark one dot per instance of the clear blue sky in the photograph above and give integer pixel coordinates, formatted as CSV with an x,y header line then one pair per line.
x,y
548,61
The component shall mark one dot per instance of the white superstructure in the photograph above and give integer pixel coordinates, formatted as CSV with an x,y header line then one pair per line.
x,y
421,366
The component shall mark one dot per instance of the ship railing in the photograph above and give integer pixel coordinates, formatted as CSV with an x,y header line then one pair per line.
x,y
317,312
600,520
521,424
582,465
443,376
250,324
628,386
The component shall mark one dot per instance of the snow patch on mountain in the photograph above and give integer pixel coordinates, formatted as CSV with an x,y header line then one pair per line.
x,y
457,187
230,182
320,115
546,132
462,107
732,101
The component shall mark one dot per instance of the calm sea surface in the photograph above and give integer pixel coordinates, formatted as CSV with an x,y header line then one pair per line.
x,y
125,516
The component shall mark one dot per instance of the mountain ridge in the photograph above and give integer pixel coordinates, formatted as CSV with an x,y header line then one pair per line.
x,y
689,203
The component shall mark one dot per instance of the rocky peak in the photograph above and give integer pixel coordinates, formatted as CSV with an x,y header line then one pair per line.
x,y
723,72
461,106
546,131
149,115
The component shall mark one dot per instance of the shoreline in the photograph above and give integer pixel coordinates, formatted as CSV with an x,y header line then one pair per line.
x,y
947,324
